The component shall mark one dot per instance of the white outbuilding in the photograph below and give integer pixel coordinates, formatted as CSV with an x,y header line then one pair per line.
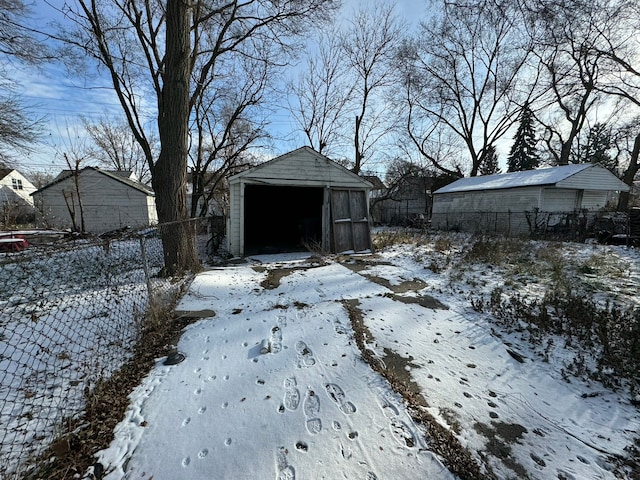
x,y
94,200
523,203
299,200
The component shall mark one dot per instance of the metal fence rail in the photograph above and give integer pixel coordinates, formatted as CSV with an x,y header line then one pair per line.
x,y
70,315
571,225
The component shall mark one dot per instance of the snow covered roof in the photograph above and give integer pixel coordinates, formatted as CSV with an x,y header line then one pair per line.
x,y
528,178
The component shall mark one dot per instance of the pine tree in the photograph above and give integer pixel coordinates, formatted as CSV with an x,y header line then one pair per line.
x,y
489,163
523,155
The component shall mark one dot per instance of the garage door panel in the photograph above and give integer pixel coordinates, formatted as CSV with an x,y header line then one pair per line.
x,y
350,220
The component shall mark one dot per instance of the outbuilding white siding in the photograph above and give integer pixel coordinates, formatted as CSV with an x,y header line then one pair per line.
x,y
513,202
299,186
109,202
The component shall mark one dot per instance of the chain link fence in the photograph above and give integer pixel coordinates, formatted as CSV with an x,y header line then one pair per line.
x,y
573,225
71,312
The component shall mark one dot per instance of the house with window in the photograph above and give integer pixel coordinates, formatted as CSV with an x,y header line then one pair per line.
x,y
16,203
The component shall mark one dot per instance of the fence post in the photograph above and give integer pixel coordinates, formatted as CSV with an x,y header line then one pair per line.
x,y
145,264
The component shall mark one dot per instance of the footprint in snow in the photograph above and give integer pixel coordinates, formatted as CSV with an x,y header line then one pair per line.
x,y
402,433
336,394
284,471
400,430
311,404
389,410
275,340
311,408
314,425
291,394
305,356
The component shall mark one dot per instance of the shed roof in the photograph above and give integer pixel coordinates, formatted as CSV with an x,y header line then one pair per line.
x,y
529,178
122,177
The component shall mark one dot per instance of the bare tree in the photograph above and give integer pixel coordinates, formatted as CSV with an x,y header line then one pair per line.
x,y
463,79
369,44
167,52
322,94
18,127
117,149
77,154
565,51
590,51
73,198
619,51
227,125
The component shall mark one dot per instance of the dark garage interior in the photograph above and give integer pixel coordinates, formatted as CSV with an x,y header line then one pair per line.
x,y
281,218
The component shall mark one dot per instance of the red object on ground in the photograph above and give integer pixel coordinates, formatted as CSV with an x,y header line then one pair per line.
x,y
15,243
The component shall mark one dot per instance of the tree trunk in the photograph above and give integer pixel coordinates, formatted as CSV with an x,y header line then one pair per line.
x,y
169,176
197,191
629,175
357,161
565,151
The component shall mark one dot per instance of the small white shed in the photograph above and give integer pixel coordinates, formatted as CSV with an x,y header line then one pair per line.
x,y
107,200
298,200
516,203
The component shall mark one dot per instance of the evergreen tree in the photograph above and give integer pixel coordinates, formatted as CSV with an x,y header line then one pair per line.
x,y
523,155
489,163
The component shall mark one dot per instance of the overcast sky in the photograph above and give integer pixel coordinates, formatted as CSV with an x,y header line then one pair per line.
x,y
62,100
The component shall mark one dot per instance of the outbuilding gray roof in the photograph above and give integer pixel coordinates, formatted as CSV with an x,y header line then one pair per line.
x,y
122,177
529,178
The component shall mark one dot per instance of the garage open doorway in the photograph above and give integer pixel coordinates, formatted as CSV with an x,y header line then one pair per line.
x,y
282,218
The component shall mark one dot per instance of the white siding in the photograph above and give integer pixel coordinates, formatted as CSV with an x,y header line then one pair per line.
x,y
464,205
24,193
594,200
302,167
514,199
559,200
491,211
594,178
236,217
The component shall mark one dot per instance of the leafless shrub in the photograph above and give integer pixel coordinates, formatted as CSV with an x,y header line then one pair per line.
x,y
609,334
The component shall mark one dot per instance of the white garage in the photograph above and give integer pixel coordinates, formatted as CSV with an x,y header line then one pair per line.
x,y
522,203
299,200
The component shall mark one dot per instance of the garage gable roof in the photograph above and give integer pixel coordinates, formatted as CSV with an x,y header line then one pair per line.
x,y
301,165
121,177
554,176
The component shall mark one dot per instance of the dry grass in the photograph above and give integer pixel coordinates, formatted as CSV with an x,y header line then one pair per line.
x,y
440,440
72,454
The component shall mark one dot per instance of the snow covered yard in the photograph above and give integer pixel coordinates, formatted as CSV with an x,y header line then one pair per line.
x,y
275,386
69,316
